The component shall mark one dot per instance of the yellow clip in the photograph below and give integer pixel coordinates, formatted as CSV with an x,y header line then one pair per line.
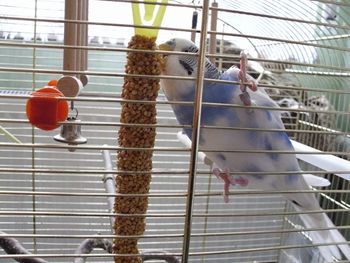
x,y
149,13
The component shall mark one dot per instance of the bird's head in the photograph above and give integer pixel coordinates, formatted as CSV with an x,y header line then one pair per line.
x,y
183,62
180,64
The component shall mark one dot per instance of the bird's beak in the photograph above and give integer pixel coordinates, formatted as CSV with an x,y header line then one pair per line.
x,y
165,47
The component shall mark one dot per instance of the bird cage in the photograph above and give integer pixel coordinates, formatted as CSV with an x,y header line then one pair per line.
x,y
61,184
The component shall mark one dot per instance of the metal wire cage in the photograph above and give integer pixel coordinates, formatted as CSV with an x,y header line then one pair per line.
x,y
55,204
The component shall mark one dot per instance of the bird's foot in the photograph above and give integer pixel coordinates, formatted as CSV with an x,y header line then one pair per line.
x,y
242,75
245,98
229,180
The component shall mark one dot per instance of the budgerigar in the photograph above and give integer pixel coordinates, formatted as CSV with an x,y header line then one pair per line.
x,y
237,145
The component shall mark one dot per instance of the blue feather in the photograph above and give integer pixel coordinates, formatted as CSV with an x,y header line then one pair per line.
x,y
254,168
269,147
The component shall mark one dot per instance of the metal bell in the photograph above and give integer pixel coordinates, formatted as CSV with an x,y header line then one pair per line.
x,y
71,133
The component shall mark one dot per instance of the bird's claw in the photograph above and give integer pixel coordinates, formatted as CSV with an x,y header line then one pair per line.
x,y
242,75
229,180
245,98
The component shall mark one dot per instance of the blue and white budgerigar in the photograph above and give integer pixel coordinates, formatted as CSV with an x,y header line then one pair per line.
x,y
258,149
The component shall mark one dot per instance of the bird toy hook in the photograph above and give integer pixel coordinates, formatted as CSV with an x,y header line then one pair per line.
x,y
149,11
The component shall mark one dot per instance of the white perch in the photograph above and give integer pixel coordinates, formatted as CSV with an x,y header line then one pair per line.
x,y
312,180
326,162
109,182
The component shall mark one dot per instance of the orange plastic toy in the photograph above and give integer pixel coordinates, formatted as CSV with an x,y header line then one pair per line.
x,y
52,82
44,109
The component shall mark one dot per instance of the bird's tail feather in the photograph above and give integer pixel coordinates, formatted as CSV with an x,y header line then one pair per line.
x,y
329,252
338,237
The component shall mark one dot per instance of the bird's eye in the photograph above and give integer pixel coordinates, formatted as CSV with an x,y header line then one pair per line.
x,y
190,49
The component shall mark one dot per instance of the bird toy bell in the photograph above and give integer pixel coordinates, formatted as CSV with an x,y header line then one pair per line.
x,y
71,133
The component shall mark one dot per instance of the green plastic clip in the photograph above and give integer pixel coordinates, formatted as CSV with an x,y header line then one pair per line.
x,y
149,14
